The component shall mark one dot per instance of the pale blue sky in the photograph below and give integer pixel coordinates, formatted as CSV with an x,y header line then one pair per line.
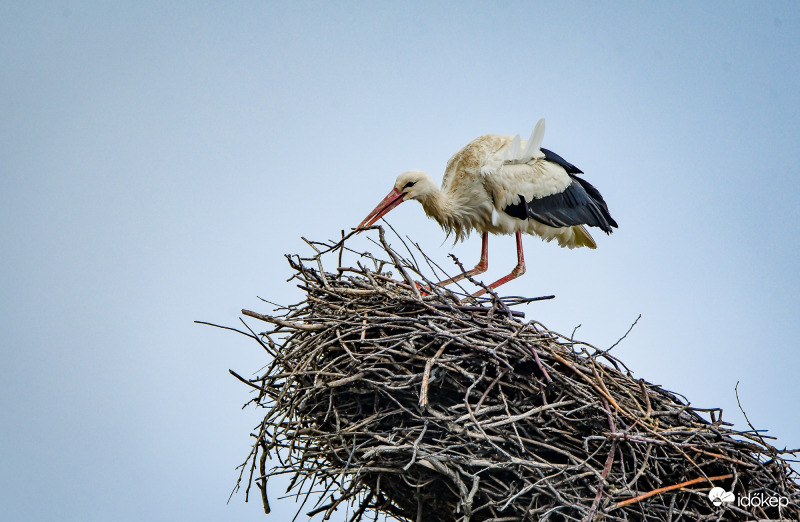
x,y
158,159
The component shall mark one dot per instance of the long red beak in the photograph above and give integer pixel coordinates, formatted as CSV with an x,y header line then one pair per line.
x,y
394,198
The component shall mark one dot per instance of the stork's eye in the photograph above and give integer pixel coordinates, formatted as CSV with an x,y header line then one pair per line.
x,y
409,185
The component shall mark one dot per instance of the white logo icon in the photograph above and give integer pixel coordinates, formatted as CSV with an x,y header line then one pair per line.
x,y
718,496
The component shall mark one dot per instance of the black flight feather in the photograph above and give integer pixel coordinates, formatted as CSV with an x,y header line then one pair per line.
x,y
519,210
580,203
551,156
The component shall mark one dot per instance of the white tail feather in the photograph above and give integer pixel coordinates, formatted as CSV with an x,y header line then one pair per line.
x,y
514,154
511,154
532,148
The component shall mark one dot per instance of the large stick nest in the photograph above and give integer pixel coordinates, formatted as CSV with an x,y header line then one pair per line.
x,y
432,406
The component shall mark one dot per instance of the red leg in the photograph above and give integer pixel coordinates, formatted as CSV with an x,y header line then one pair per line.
x,y
518,270
481,267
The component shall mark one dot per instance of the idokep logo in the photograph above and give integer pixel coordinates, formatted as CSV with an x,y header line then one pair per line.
x,y
762,500
719,496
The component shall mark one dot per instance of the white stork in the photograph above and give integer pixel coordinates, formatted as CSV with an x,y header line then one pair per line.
x,y
504,185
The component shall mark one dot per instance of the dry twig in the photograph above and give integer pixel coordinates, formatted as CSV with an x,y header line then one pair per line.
x,y
429,407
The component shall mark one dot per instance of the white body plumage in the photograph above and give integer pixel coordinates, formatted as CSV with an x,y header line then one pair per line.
x,y
500,184
488,175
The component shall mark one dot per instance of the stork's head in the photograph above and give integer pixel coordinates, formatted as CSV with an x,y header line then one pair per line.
x,y
412,184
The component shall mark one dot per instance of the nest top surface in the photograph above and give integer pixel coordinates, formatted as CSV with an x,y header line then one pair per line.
x,y
431,406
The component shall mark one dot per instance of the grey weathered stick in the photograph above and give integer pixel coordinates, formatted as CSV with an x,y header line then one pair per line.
x,y
351,364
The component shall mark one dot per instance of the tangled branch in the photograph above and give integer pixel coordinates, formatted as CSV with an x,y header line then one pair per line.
x,y
401,397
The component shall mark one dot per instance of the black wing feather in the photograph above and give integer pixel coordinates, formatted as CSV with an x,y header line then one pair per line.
x,y
519,211
579,204
551,156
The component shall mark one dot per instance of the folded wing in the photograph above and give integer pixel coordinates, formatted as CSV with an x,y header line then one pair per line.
x,y
530,182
